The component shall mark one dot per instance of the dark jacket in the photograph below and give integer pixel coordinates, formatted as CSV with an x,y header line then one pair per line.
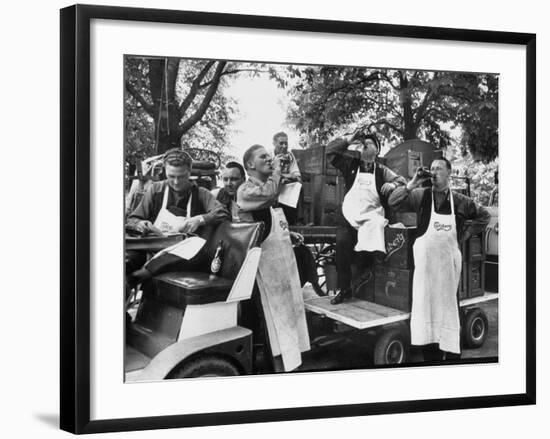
x,y
349,162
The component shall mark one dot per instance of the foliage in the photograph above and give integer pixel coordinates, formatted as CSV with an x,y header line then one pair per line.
x,y
395,104
171,99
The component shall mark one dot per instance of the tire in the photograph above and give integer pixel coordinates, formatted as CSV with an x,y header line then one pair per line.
x,y
205,366
391,347
476,328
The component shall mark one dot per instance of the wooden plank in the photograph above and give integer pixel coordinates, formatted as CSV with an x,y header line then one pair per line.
x,y
362,314
481,299
357,313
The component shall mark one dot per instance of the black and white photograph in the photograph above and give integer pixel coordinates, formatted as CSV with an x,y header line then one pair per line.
x,y
292,218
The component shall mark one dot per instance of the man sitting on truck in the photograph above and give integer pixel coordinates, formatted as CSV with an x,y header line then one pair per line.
x,y
441,214
367,186
232,177
175,205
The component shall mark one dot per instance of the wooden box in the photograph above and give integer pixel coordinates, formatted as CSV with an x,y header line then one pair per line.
x,y
474,249
472,280
419,158
313,160
408,219
393,287
362,282
399,242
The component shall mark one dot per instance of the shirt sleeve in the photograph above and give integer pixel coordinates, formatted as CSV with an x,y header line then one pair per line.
x,y
294,169
477,216
392,177
210,205
406,199
338,154
251,196
144,210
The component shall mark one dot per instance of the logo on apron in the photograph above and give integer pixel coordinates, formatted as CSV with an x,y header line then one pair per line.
x,y
283,224
439,227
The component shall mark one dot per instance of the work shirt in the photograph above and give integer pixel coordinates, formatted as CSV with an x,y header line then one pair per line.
x,y
293,168
229,201
255,197
419,200
348,162
202,203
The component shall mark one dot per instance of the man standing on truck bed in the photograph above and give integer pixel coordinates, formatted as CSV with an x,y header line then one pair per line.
x,y
367,186
441,214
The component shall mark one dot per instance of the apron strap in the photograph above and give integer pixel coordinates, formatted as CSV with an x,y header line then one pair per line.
x,y
450,200
165,202
165,198
188,214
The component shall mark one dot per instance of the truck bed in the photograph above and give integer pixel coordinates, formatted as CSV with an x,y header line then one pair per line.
x,y
362,314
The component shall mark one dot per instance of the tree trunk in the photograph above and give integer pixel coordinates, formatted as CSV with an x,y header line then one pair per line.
x,y
163,74
409,126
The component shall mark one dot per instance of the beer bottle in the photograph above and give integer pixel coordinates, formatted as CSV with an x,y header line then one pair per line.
x,y
216,264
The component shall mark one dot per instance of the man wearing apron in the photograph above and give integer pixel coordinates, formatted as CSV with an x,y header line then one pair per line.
x,y
175,205
367,186
232,177
280,292
441,216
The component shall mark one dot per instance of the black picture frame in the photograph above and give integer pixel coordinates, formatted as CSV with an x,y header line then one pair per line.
x,y
75,216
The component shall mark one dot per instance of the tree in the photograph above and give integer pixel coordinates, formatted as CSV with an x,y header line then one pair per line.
x,y
173,97
398,105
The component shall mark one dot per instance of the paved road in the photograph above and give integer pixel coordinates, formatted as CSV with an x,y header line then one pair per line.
x,y
357,354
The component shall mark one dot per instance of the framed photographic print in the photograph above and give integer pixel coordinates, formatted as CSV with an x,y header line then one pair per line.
x,y
275,218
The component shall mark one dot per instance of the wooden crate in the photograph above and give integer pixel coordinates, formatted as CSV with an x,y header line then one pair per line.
x,y
393,287
422,158
399,242
408,219
313,160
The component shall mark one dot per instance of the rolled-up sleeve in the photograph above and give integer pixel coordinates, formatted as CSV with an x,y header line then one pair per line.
x,y
337,153
477,216
392,177
144,210
406,199
253,196
210,204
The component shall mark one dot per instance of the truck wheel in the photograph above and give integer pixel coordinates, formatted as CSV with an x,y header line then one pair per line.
x,y
391,347
204,366
476,328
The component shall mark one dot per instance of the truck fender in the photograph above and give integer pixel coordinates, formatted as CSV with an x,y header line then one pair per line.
x,y
161,365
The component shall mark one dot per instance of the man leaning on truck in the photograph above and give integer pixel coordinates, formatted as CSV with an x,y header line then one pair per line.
x,y
441,214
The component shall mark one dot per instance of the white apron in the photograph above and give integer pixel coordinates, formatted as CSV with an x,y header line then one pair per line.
x,y
166,221
437,259
362,209
281,294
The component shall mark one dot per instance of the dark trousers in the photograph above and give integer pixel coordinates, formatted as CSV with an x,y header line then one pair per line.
x,y
348,261
431,352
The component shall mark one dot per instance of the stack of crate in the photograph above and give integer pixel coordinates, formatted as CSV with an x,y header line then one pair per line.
x,y
472,279
393,274
323,187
